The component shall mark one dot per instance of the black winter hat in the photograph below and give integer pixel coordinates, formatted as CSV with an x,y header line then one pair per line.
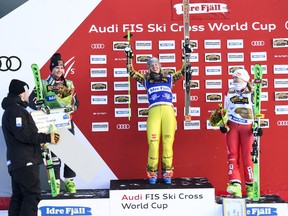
x,y
17,87
55,61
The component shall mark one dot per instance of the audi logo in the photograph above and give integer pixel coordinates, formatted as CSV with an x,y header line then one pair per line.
x,y
194,98
12,63
123,126
97,46
257,43
282,123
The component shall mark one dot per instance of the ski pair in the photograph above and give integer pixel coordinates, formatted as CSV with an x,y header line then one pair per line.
x,y
46,153
186,56
256,125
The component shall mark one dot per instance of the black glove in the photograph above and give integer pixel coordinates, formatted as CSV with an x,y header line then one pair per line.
x,y
45,109
39,103
259,132
223,129
187,67
128,51
187,49
69,109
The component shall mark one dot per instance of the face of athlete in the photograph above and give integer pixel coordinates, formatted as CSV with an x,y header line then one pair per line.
x,y
155,67
57,72
237,79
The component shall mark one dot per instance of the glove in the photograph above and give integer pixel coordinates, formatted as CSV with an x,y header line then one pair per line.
x,y
187,49
187,68
45,109
223,129
259,132
70,109
128,51
54,138
38,103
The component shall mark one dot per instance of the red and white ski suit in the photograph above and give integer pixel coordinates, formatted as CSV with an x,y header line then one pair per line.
x,y
239,138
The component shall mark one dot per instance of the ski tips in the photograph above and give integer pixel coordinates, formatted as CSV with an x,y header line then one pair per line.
x,y
126,36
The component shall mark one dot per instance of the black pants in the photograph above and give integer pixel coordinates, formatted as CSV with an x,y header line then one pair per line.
x,y
26,191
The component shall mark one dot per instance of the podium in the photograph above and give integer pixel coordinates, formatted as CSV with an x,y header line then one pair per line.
x,y
136,197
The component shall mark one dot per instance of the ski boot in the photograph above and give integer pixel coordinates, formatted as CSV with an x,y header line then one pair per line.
x,y
167,176
70,186
152,175
249,190
234,189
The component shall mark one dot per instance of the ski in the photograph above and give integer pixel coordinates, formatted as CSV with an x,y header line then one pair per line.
x,y
186,56
38,88
256,126
128,59
46,154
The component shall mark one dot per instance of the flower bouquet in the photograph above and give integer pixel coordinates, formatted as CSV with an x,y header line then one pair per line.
x,y
64,95
219,116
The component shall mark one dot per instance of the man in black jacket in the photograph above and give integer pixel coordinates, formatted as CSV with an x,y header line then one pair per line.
x,y
23,150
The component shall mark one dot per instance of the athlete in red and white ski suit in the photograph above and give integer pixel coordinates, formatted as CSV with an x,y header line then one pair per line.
x,y
239,139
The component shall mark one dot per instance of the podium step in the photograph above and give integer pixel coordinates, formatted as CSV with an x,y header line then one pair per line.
x,y
134,184
138,197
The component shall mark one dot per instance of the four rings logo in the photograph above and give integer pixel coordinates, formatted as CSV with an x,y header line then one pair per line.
x,y
12,63
194,98
283,123
257,43
123,126
97,46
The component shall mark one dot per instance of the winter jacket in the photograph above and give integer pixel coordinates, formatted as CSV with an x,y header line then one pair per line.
x,y
21,134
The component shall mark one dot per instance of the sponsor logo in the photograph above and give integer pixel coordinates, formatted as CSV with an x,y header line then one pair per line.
x,y
282,123
192,125
202,8
143,58
65,210
51,98
194,98
97,86
12,63
258,56
100,126
123,126
119,45
280,42
167,58
97,46
212,57
235,44
213,97
265,211
257,43
235,57
98,59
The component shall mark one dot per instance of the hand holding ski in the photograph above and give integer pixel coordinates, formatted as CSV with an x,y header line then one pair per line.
x,y
38,89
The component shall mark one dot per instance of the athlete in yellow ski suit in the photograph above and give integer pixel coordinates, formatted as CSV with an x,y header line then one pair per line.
x,y
161,122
